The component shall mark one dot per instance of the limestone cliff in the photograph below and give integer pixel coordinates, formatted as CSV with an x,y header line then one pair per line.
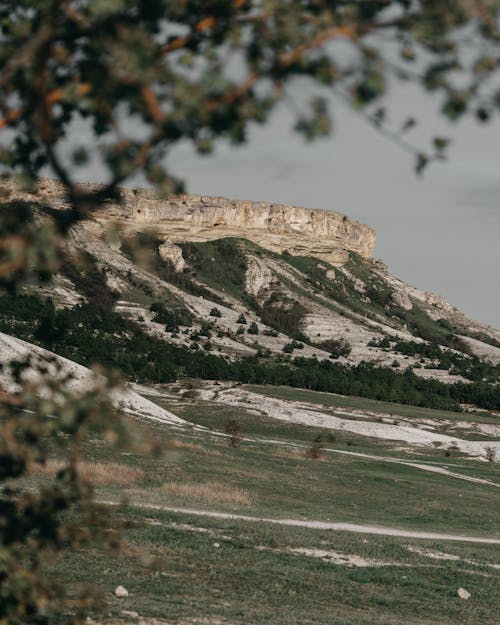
x,y
324,234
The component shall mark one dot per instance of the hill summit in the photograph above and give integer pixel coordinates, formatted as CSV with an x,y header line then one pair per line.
x,y
281,228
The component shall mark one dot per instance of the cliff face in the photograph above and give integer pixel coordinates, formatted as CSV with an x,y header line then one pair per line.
x,y
277,227
323,234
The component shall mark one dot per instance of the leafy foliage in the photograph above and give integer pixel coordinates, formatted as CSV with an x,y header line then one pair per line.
x,y
172,319
336,347
167,66
117,344
33,525
221,264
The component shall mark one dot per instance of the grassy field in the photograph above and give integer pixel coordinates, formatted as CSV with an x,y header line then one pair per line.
x,y
276,480
184,568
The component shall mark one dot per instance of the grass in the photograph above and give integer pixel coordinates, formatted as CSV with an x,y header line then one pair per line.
x,y
266,482
262,480
221,264
207,492
185,568
179,568
96,473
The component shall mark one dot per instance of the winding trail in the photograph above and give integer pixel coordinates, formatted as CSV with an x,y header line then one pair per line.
x,y
316,525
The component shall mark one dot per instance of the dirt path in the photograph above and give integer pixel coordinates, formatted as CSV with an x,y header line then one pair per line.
x,y
317,525
391,460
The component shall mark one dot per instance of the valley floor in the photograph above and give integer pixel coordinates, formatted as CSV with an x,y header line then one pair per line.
x,y
249,528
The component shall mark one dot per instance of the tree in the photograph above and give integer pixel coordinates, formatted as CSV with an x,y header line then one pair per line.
x,y
253,328
165,65
35,525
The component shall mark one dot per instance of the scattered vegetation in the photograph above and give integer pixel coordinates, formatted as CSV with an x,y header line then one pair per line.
x,y
221,264
172,319
253,328
108,339
283,315
469,366
233,428
336,347
316,450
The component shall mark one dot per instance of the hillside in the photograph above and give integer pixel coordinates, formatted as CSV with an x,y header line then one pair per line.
x,y
312,440
240,306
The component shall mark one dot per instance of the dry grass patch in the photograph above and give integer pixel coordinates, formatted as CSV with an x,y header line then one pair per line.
x,y
175,444
289,453
210,492
97,473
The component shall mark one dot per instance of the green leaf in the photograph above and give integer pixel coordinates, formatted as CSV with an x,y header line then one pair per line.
x,y
455,106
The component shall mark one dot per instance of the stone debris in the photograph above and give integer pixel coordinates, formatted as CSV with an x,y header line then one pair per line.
x,y
463,594
121,592
130,614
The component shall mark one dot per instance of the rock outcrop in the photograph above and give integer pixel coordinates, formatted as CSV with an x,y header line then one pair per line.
x,y
277,227
281,228
171,253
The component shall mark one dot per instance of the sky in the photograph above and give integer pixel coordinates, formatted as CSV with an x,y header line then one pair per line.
x,y
439,232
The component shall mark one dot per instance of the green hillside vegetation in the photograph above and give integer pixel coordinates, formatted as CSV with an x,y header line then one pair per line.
x,y
221,264
89,335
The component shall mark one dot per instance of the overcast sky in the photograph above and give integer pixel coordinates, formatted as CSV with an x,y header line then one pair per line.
x,y
440,233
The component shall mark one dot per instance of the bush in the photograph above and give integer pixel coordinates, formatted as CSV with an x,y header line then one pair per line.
x,y
215,312
241,319
253,328
336,347
270,332
172,319
284,315
233,428
316,450
384,342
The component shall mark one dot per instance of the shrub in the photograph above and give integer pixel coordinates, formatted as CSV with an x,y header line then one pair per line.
x,y
336,347
206,329
241,319
253,328
282,314
270,332
491,454
383,342
171,319
215,312
233,428
316,449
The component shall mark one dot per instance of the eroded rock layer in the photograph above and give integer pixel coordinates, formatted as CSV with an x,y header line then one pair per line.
x,y
277,227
